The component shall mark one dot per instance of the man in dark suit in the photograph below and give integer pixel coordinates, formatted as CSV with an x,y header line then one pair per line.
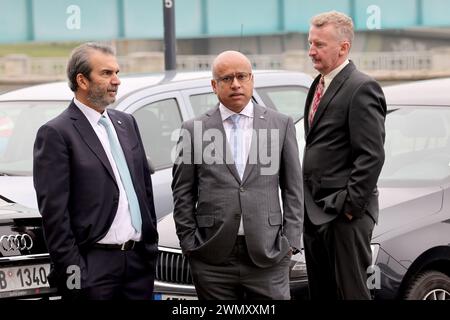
x,y
226,197
344,131
94,189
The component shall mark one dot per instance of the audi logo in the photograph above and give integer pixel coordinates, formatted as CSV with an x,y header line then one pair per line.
x,y
16,242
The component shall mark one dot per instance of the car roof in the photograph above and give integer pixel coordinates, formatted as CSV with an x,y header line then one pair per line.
x,y
434,92
129,84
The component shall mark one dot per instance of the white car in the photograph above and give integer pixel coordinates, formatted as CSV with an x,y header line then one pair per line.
x,y
159,102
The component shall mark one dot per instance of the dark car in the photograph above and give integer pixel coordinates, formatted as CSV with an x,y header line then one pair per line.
x,y
411,243
412,240
24,260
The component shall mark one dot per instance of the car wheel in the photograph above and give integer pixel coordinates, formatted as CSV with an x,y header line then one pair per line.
x,y
429,285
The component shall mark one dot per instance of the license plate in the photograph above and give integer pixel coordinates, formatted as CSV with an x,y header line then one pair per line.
x,y
162,296
24,278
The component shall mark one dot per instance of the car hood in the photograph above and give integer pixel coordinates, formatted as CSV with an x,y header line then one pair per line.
x,y
402,208
399,208
19,190
13,211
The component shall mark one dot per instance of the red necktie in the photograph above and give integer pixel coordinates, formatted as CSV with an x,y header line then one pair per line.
x,y
316,100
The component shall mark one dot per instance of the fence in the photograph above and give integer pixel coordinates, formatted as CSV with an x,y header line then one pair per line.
x,y
381,65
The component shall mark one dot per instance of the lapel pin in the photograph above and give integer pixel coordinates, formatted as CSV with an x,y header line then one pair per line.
x,y
119,122
261,117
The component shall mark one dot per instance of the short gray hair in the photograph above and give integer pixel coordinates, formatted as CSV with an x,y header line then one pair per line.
x,y
342,22
79,61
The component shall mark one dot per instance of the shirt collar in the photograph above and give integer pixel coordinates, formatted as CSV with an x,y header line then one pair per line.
x,y
226,113
92,115
330,76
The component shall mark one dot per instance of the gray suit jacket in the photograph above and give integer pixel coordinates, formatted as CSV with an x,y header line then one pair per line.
x,y
209,196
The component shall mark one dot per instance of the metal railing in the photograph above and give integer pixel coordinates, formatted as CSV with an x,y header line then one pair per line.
x,y
17,67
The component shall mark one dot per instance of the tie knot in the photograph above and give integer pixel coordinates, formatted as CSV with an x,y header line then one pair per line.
x,y
235,118
103,121
321,81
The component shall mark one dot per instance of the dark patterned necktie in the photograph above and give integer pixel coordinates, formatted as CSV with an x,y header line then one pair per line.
x,y
317,96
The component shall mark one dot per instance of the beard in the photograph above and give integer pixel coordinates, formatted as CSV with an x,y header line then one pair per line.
x,y
99,97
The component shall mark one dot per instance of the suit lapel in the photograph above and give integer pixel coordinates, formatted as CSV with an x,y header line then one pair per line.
x,y
259,122
215,123
89,136
334,87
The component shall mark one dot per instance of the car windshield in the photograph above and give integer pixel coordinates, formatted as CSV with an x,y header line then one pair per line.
x,y
19,122
417,146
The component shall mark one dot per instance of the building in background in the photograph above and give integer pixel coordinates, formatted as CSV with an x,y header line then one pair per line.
x,y
404,39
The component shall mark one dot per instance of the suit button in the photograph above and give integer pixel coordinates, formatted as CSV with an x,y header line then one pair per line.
x,y
241,189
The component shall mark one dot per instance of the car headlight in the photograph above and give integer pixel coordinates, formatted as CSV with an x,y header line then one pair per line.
x,y
298,265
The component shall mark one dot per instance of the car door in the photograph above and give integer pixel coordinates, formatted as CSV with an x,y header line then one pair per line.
x,y
159,116
200,100
286,98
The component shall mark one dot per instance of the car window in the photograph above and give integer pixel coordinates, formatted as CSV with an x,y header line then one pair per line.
x,y
19,122
289,100
156,122
203,102
417,145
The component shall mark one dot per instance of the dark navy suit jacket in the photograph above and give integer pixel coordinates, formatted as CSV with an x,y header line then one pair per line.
x,y
76,189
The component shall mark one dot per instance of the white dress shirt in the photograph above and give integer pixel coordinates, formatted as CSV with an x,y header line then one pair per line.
x,y
121,229
245,128
330,76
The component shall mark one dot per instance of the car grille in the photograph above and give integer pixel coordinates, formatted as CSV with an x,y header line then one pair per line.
x,y
172,266
21,237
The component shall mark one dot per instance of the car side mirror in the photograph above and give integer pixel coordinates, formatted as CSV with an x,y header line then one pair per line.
x,y
150,165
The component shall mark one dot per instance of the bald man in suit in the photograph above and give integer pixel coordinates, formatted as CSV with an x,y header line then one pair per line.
x,y
226,205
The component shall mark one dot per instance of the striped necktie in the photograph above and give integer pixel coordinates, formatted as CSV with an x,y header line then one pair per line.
x,y
236,140
317,97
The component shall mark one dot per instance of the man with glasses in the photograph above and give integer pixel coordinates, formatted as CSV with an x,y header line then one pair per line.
x,y
226,196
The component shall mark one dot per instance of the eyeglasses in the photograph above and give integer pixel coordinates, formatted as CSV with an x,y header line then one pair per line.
x,y
240,76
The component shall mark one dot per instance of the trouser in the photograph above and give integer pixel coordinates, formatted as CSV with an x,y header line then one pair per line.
x,y
338,254
113,274
238,278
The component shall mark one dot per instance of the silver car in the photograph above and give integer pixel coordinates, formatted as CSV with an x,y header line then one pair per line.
x,y
411,243
159,102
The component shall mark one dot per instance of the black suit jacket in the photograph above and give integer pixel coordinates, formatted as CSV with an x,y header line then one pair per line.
x,y
76,189
344,150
